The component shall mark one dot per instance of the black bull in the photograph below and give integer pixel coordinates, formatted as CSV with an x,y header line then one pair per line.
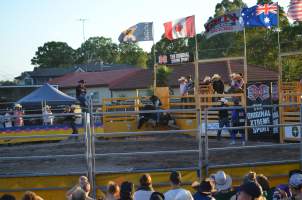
x,y
165,119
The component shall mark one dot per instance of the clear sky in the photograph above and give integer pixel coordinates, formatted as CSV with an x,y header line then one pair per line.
x,y
27,24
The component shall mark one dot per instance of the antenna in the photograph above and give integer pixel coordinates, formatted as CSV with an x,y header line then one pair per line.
x,y
83,24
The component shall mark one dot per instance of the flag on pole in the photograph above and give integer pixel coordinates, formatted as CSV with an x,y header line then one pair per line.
x,y
265,15
180,28
295,10
139,32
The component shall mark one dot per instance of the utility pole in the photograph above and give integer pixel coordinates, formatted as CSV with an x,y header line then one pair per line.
x,y
83,24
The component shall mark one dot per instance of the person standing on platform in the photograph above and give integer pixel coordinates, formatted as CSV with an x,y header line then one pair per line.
x,y
223,117
182,90
18,116
81,91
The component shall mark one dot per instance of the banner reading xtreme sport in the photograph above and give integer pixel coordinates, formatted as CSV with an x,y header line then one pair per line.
x,y
260,94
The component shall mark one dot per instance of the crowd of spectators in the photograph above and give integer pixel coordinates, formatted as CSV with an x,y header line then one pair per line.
x,y
218,186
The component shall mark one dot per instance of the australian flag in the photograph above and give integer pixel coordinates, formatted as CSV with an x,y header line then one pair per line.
x,y
139,32
265,15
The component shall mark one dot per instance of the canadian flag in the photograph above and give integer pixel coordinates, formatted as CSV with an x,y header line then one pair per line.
x,y
180,28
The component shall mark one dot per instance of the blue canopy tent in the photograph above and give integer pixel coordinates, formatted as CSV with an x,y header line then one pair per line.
x,y
47,94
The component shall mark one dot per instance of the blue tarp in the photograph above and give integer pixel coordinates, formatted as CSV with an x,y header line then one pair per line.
x,y
47,93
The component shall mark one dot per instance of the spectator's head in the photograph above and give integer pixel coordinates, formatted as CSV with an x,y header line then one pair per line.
x,y
207,79
281,192
7,197
18,106
81,82
157,196
78,195
113,189
29,196
195,185
216,77
250,177
86,187
175,178
82,180
223,101
145,180
182,79
127,191
250,191
223,181
295,184
206,187
263,182
294,171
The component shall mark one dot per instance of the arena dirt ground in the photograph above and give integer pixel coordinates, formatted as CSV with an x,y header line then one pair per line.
x,y
131,163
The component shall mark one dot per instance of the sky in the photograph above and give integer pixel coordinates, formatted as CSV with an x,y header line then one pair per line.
x,y
27,24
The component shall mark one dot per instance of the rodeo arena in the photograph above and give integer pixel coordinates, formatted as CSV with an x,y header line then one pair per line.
x,y
222,129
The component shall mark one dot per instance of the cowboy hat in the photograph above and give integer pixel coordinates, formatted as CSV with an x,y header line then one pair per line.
x,y
18,105
182,79
224,100
216,76
223,181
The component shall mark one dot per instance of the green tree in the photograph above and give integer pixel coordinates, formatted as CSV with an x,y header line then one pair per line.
x,y
54,54
97,50
131,53
162,75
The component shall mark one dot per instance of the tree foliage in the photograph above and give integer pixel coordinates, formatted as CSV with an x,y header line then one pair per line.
x,y
162,75
54,54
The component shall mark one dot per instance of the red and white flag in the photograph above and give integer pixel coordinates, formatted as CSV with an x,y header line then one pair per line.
x,y
295,10
184,27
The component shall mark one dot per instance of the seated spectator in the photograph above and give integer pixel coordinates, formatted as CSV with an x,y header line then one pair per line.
x,y
127,191
295,186
113,191
31,196
7,197
249,191
281,192
176,190
207,80
223,184
205,190
78,195
78,186
264,183
217,83
145,190
250,177
157,196
86,188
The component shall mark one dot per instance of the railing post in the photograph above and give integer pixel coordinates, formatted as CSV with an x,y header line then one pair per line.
x,y
200,148
206,145
93,183
300,136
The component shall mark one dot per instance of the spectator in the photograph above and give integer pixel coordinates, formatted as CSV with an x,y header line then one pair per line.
x,y
113,191
127,190
217,83
70,119
8,118
176,190
7,197
157,196
223,117
81,93
223,184
31,196
295,186
250,177
190,85
249,191
78,195
264,183
238,120
145,190
182,89
86,188
47,116
18,115
195,185
78,186
207,80
205,190
281,192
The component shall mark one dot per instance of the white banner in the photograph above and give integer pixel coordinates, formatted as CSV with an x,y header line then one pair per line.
x,y
229,22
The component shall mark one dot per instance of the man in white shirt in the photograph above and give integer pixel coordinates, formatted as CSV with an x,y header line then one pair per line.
x,y
176,192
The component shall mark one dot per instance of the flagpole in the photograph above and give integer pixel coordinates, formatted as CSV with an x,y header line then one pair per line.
x,y
280,75
245,80
154,62
196,85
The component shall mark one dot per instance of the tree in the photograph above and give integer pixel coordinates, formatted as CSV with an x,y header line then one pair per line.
x,y
54,54
97,50
162,75
131,53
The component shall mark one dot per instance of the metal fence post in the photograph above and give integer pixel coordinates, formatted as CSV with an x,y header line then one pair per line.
x,y
206,142
200,148
93,156
300,136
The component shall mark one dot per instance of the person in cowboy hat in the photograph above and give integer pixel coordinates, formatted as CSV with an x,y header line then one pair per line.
x,y
182,89
217,83
223,184
205,190
18,115
81,93
223,117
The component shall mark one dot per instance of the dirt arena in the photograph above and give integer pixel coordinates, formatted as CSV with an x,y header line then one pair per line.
x,y
131,163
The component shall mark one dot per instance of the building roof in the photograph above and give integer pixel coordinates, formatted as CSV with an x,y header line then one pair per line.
x,y
104,78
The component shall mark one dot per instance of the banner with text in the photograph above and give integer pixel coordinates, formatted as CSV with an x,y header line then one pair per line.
x,y
229,22
175,58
